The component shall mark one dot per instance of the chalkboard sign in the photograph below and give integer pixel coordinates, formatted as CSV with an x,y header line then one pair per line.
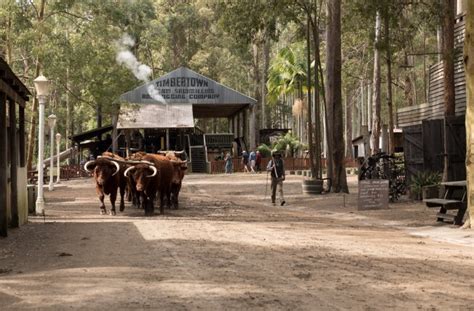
x,y
373,194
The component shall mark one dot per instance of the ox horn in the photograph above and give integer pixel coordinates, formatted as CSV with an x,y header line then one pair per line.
x,y
154,171
178,161
117,166
179,152
87,164
128,170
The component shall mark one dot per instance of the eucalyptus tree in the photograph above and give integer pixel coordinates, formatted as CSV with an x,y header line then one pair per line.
x,y
334,95
253,24
469,66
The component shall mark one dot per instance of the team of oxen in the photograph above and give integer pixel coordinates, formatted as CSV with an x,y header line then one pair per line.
x,y
144,176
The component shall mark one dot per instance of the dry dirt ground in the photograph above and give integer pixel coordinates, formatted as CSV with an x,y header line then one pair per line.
x,y
228,248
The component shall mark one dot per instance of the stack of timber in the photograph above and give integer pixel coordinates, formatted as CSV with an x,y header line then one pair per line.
x,y
434,109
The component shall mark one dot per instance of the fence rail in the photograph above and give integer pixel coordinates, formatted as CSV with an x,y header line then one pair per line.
x,y
66,172
291,164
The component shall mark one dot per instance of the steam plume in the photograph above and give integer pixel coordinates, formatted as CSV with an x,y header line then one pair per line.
x,y
141,71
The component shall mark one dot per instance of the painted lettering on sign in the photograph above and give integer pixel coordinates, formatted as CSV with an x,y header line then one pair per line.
x,y
182,82
373,194
184,88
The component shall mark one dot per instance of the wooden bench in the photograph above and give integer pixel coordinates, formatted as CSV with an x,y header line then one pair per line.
x,y
454,199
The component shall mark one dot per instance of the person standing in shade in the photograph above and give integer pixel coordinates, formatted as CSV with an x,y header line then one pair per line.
x,y
277,171
258,161
252,159
228,163
245,161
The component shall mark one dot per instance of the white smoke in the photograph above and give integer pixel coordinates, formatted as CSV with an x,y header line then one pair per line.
x,y
141,71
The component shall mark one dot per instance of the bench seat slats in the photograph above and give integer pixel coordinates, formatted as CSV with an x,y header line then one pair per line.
x,y
440,202
446,216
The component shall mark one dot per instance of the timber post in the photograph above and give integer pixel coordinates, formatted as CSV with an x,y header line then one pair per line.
x,y
13,149
3,166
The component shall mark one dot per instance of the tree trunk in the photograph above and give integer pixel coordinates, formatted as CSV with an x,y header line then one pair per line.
x,y
34,107
469,66
448,57
329,146
310,117
376,102
448,70
317,102
8,35
257,112
391,136
349,103
336,123
266,113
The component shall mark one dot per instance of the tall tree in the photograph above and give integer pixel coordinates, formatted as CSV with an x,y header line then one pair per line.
x,y
391,136
34,108
376,95
334,94
447,28
448,56
469,63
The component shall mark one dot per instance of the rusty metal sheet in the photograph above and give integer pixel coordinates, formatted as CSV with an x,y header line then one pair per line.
x,y
140,116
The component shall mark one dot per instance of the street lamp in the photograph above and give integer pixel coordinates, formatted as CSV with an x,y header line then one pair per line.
x,y
42,92
58,142
51,123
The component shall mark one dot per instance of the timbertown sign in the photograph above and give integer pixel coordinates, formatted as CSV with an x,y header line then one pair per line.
x,y
185,86
175,99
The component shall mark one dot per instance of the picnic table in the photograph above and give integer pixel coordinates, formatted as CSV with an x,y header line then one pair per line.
x,y
454,199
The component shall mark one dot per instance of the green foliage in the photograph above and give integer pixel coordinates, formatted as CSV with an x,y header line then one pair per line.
x,y
421,179
75,48
265,150
288,144
288,72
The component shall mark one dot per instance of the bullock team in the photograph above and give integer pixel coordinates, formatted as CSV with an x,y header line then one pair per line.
x,y
144,176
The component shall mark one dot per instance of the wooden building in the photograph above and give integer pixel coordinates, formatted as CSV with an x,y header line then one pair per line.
x,y
13,174
426,131
160,115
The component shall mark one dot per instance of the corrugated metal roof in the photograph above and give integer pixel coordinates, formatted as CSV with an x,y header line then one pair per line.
x,y
139,116
186,94
186,86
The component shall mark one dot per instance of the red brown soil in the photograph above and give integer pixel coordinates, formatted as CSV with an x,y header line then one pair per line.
x,y
228,248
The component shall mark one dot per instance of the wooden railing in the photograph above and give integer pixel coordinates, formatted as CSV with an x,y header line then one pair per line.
x,y
66,172
291,164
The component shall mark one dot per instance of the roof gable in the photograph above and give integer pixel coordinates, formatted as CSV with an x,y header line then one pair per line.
x,y
186,86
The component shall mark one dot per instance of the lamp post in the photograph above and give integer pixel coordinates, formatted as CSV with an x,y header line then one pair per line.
x,y
51,123
42,92
58,142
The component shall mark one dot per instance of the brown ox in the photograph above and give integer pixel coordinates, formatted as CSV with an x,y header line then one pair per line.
x,y
106,172
144,178
163,177
179,169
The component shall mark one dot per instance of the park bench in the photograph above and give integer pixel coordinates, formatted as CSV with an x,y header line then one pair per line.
x,y
454,199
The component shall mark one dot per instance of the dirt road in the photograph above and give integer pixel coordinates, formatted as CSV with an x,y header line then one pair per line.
x,y
229,249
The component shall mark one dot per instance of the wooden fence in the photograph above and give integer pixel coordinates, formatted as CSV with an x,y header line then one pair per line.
x,y
424,147
66,172
291,164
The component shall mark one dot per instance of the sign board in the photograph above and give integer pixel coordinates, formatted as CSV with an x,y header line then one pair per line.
x,y
373,194
184,86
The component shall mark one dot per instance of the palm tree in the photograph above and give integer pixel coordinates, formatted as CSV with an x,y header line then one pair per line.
x,y
287,79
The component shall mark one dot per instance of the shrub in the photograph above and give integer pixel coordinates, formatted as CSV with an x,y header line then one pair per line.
x,y
421,179
265,150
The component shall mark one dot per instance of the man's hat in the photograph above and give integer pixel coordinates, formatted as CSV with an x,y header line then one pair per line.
x,y
276,153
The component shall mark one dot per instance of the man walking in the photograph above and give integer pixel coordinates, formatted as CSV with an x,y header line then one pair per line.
x,y
245,161
277,171
252,159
